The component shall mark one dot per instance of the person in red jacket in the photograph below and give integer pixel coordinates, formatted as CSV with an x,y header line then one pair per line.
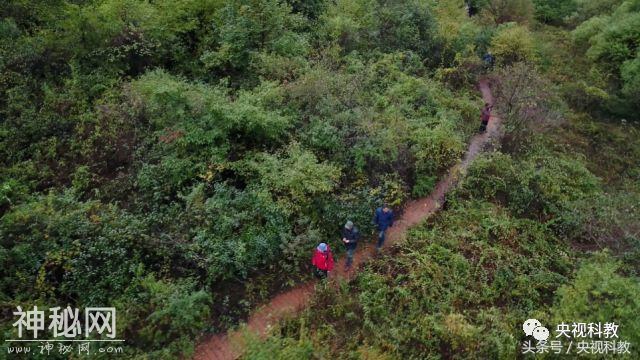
x,y
485,115
322,260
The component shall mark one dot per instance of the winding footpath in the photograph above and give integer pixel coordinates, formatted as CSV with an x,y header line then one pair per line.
x,y
229,346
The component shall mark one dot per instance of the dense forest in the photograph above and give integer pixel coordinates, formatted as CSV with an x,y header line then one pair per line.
x,y
179,160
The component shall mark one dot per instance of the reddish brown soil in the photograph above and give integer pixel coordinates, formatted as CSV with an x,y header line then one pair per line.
x,y
229,346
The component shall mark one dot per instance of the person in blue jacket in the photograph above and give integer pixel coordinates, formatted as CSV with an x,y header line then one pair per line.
x,y
384,220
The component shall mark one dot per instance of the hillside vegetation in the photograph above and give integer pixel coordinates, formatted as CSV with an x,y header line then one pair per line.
x,y
545,226
180,159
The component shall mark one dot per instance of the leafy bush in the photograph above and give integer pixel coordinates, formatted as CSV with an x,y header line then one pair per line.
x,y
243,29
586,9
275,348
296,176
401,26
599,294
542,186
554,11
602,220
505,11
512,43
608,38
206,112
585,96
458,34
172,314
435,150
55,242
240,231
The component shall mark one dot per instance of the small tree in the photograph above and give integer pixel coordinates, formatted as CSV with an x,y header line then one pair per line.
x,y
526,102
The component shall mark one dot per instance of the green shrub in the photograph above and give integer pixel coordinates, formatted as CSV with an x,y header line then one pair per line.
x,y
437,149
273,348
586,9
153,153
599,294
12,191
505,11
602,220
366,24
542,187
58,245
163,315
608,38
512,43
205,113
162,182
239,232
296,176
243,29
554,11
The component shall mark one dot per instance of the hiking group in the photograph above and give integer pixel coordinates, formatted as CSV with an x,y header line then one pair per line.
x,y
322,259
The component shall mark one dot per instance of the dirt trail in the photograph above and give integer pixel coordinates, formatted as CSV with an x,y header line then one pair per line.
x,y
228,346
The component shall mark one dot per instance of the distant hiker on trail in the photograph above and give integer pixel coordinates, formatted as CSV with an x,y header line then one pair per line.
x,y
488,60
384,220
350,236
322,261
485,115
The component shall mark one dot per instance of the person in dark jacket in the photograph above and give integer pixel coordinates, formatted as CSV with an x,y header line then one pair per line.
x,y
488,60
322,261
384,220
485,115
350,236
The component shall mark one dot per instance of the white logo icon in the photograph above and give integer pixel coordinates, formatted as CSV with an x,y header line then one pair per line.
x,y
529,325
541,333
535,328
